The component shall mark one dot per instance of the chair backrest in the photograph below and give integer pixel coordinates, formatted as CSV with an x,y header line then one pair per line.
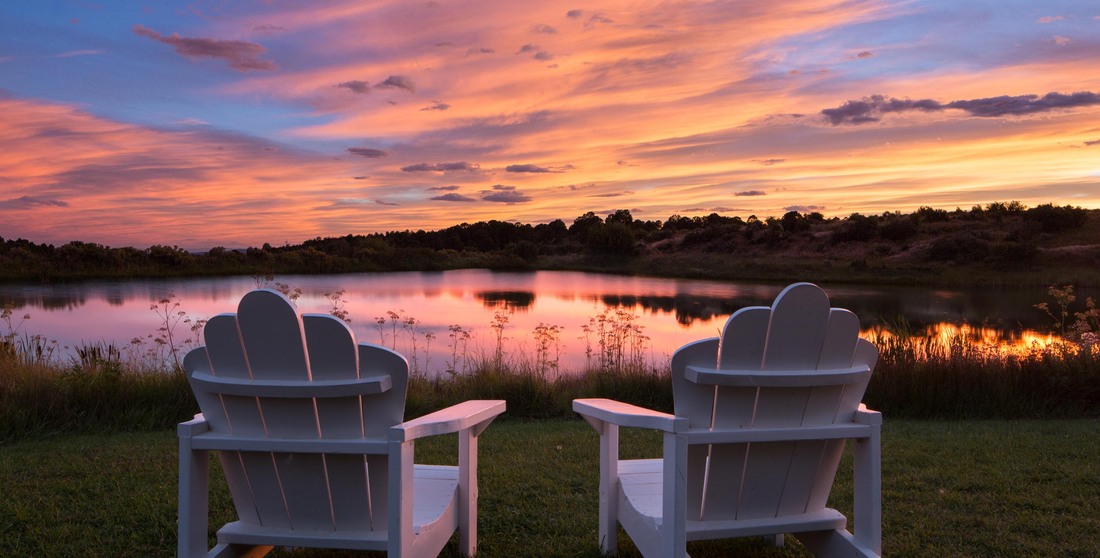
x,y
266,373
799,335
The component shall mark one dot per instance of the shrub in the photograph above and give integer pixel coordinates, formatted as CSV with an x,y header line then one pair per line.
x,y
1056,219
898,229
856,228
960,248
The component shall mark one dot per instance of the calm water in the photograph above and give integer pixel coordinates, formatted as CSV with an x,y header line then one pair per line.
x,y
423,309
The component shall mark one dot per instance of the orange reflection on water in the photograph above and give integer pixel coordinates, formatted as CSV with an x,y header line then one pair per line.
x,y
939,338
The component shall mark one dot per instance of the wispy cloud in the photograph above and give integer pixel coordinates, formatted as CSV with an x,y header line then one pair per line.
x,y
367,152
30,202
269,28
527,168
240,55
505,194
873,108
397,82
355,86
453,198
535,52
442,167
72,53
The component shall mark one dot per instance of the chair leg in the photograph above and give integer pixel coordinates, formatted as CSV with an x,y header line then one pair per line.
x,y
467,492
609,488
400,532
674,508
867,497
194,484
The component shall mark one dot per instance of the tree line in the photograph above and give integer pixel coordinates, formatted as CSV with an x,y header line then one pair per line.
x,y
1005,230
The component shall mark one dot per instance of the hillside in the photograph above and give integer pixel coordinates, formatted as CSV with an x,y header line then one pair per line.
x,y
1045,245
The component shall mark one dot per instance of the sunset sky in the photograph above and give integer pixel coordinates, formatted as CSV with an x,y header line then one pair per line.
x,y
217,123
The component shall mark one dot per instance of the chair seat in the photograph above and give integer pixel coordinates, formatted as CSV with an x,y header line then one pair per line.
x,y
435,488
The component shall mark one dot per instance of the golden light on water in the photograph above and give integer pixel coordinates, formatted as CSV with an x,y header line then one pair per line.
x,y
939,338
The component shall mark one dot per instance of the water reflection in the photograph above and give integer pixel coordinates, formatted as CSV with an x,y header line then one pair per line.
x,y
687,309
938,339
670,311
509,300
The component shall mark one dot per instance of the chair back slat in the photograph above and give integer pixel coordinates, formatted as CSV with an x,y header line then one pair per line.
x,y
227,359
697,401
263,487
333,356
272,334
224,346
744,337
382,411
796,331
352,507
742,345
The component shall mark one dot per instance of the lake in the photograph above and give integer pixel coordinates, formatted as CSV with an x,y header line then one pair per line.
x,y
441,320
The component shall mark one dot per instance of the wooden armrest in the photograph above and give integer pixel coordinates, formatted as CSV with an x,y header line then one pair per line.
x,y
867,416
468,414
193,427
292,389
632,416
776,378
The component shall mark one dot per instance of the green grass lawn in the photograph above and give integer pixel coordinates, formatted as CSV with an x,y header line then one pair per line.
x,y
950,488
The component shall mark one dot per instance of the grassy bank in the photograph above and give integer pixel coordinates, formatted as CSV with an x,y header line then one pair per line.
x,y
977,488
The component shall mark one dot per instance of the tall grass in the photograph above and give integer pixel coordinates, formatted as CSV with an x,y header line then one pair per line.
x,y
926,377
42,398
917,377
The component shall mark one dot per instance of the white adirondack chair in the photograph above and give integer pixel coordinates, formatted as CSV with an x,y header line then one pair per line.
x,y
762,415
308,428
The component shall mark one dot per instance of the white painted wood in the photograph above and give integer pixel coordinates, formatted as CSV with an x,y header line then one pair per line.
x,y
625,414
462,416
291,389
777,378
768,408
303,418
194,474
